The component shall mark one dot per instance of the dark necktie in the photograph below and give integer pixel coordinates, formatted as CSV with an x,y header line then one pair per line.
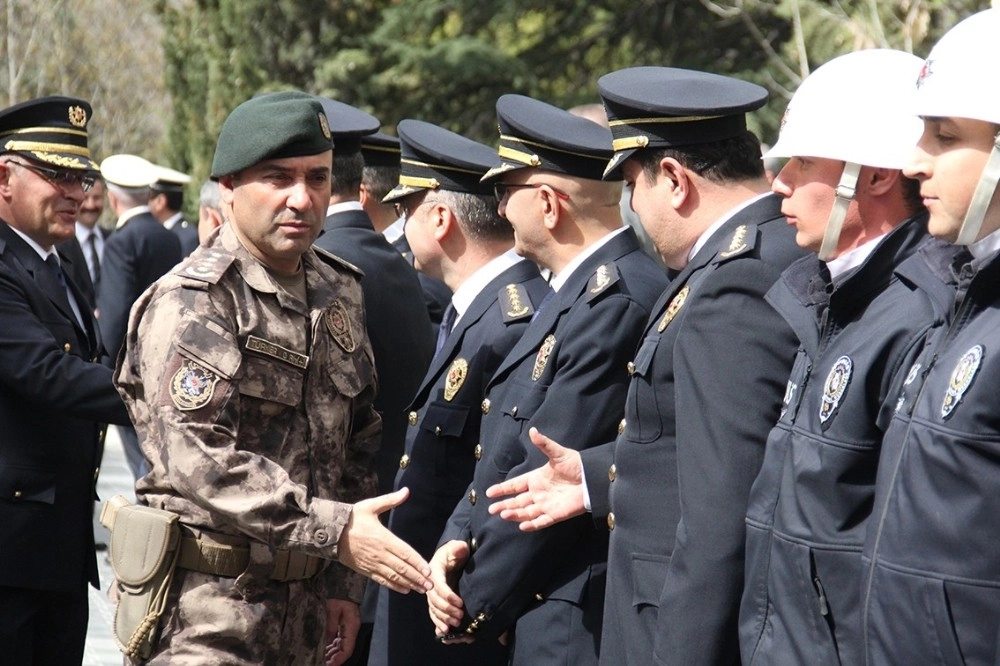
x,y
95,260
56,284
447,322
545,301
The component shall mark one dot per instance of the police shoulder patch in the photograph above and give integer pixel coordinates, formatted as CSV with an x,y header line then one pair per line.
x,y
208,265
835,387
961,379
515,304
605,276
743,240
192,386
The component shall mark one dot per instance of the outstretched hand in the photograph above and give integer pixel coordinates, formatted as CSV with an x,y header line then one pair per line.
x,y
370,549
544,496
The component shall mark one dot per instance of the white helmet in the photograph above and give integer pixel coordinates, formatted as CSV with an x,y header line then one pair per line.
x,y
856,109
951,85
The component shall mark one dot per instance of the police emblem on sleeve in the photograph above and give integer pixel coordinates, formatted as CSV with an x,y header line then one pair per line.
x,y
673,308
835,387
453,381
339,325
192,386
961,379
542,358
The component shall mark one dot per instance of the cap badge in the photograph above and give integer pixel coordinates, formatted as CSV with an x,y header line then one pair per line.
x,y
324,125
738,242
542,357
961,379
192,386
457,373
339,325
78,116
836,385
673,308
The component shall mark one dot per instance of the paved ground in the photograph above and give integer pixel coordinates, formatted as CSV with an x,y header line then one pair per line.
x,y
115,479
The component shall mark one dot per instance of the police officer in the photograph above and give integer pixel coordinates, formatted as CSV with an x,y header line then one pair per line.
x,y
846,135
250,379
53,390
932,546
137,254
566,375
458,236
706,383
166,203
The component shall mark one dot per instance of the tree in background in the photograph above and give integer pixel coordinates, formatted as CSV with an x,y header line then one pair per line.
x,y
163,74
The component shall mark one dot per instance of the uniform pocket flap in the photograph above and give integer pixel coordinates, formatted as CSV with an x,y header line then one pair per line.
x,y
215,349
271,380
445,420
27,484
649,572
141,539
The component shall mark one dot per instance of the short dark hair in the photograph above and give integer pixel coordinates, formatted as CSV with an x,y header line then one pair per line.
x,y
175,199
346,176
728,160
478,215
380,180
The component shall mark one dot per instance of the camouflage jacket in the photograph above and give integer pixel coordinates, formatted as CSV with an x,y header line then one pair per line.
x,y
254,409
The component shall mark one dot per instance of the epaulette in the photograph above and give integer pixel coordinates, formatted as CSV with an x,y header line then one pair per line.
x,y
209,265
605,276
743,240
333,260
515,304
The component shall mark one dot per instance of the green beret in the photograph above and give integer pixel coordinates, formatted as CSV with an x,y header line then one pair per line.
x,y
271,126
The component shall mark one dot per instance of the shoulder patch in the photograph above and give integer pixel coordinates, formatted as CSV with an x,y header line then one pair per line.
x,y
334,261
743,240
515,304
209,265
605,276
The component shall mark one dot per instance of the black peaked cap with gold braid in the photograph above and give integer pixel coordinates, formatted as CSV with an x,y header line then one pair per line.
x,y
380,150
536,134
51,130
347,125
434,158
659,107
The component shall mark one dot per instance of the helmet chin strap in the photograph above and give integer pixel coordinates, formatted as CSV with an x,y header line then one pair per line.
x,y
845,193
973,223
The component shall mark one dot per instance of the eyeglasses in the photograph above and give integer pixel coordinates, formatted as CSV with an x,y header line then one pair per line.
x,y
62,178
500,189
402,210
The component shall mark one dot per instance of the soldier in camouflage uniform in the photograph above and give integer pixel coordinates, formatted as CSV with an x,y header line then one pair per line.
x,y
250,380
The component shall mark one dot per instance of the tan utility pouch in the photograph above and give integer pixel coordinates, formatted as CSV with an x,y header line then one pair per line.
x,y
144,548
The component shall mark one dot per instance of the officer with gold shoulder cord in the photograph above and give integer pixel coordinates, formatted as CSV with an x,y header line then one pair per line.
x,y
54,392
249,377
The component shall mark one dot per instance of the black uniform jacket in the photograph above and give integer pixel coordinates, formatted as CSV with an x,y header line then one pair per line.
x,y
811,501
52,397
397,323
705,390
441,444
567,377
135,256
187,234
931,591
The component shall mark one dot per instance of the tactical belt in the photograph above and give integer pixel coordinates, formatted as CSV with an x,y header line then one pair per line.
x,y
207,555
